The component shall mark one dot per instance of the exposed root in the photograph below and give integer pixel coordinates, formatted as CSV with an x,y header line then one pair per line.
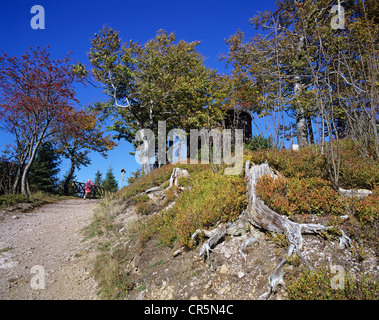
x,y
176,174
245,244
258,214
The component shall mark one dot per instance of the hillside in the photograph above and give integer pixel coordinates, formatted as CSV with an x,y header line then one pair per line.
x,y
198,240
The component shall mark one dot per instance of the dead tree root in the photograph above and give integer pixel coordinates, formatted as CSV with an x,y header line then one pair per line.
x,y
259,215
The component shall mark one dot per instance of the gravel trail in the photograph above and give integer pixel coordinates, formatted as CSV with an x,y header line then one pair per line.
x,y
43,255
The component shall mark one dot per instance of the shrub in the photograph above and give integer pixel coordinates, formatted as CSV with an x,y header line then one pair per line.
x,y
356,170
212,198
297,196
145,208
367,209
155,178
305,163
316,285
11,199
140,199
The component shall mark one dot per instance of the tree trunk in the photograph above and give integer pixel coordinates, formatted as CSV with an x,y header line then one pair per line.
x,y
310,130
16,183
301,128
24,187
301,120
263,217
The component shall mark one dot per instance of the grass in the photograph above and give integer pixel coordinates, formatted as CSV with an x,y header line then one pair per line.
x,y
213,198
36,199
321,284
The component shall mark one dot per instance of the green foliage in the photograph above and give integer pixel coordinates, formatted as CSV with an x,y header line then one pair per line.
x,y
316,285
161,80
305,163
305,187
212,198
66,182
11,199
259,143
155,178
98,180
44,170
35,199
135,175
357,171
110,182
145,207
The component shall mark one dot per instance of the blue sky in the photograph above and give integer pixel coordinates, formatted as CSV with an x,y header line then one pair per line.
x,y
69,26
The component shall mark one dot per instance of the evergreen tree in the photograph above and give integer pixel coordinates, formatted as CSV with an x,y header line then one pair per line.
x,y
98,179
68,178
110,182
43,172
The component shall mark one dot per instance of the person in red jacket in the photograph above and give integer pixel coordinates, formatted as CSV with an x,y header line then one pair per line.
x,y
87,188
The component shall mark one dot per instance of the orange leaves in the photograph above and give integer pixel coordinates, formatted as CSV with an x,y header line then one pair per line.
x,y
300,196
367,209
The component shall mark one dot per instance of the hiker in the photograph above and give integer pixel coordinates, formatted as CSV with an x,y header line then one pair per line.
x,y
87,188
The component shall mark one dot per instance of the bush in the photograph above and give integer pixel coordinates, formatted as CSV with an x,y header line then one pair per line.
x,y
367,209
145,208
299,196
316,285
155,178
305,163
212,198
356,171
11,199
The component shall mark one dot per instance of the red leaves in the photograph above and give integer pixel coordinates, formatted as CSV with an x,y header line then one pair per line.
x,y
300,195
36,86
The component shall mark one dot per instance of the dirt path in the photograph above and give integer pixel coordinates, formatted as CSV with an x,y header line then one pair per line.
x,y
42,255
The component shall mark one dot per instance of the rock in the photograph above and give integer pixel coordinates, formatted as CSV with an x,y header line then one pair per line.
x,y
208,284
224,269
227,255
140,296
8,265
360,193
177,252
241,274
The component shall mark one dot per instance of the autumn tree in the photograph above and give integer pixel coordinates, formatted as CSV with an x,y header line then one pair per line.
x,y
79,135
37,93
272,68
161,80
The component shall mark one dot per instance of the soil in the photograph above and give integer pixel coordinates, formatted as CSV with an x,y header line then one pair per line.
x,y
156,273
43,255
49,242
